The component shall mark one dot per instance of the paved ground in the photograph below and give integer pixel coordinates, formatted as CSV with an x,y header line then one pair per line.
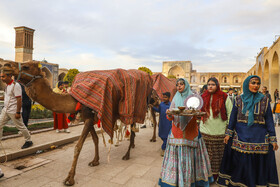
x,y
141,170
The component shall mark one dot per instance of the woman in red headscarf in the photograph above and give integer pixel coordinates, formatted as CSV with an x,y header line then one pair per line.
x,y
218,107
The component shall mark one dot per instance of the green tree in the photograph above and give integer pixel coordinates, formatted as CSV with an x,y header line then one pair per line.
x,y
146,70
71,75
171,76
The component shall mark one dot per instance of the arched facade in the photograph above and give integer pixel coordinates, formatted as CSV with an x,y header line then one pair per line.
x,y
61,76
266,74
236,79
176,71
267,67
274,75
259,70
179,69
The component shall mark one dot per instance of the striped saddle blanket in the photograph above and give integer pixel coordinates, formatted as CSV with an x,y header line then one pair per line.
x,y
114,94
162,84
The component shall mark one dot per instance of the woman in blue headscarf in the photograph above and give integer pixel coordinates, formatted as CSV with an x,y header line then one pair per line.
x,y
186,161
249,158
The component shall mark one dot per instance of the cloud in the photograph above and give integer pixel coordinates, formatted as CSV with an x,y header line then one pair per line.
x,y
214,35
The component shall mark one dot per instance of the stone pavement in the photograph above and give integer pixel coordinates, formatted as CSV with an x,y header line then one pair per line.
x,y
141,170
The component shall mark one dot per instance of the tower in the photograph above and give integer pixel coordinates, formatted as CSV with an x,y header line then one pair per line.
x,y
24,44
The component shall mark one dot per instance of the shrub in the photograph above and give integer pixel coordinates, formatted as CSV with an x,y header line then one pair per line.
x,y
40,112
146,70
71,75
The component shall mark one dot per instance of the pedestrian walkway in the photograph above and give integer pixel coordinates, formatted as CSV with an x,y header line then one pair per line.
x,y
41,141
143,169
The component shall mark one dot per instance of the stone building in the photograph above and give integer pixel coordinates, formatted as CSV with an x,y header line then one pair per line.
x,y
24,52
198,79
267,66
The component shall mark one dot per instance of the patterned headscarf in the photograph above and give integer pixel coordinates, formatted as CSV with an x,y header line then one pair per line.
x,y
179,98
250,99
218,102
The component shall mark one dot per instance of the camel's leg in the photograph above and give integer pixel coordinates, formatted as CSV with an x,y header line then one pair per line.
x,y
69,181
131,144
117,137
121,131
155,126
95,139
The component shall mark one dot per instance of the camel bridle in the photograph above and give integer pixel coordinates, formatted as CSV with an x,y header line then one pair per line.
x,y
34,77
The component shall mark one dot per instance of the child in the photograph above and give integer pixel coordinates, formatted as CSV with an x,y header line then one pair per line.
x,y
276,111
164,124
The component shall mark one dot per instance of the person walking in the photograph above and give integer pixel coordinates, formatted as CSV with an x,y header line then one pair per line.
x,y
164,124
217,106
26,107
266,93
276,95
230,94
185,162
59,119
276,111
12,108
251,142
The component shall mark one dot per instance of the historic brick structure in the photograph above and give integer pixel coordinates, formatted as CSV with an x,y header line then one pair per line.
x,y
198,79
24,52
267,66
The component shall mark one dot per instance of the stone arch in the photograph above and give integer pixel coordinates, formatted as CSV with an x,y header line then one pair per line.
x,y
225,79
260,70
203,79
236,79
61,76
274,75
266,74
49,76
176,71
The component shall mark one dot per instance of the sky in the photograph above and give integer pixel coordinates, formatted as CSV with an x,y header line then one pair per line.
x,y
216,35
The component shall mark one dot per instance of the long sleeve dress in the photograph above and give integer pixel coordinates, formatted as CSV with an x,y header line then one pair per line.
x,y
186,161
249,159
213,133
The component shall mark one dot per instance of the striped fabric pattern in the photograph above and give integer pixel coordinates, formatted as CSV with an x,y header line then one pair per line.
x,y
114,94
163,84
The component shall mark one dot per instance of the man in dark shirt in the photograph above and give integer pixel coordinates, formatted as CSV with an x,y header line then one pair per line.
x,y
26,107
266,93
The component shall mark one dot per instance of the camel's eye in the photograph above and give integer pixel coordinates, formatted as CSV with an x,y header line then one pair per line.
x,y
25,68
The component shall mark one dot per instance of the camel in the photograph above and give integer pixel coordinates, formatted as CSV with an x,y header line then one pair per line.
x,y
38,88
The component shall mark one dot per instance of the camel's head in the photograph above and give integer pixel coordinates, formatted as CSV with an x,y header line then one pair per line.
x,y
10,66
154,100
27,72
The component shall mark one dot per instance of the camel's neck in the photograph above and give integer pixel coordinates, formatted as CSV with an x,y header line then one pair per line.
x,y
41,92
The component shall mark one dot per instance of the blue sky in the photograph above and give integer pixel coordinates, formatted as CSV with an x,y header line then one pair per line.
x,y
216,35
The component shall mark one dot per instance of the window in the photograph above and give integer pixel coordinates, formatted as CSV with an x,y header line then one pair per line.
x,y
236,79
203,79
225,79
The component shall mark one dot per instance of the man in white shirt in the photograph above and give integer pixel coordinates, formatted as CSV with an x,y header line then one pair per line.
x,y
12,108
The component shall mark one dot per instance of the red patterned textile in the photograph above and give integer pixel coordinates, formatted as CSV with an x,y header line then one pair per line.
x,y
163,84
114,94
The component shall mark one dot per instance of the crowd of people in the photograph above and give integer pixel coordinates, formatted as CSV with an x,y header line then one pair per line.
x,y
234,144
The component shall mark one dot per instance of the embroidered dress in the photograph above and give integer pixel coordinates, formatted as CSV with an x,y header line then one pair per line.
x,y
186,161
249,159
218,108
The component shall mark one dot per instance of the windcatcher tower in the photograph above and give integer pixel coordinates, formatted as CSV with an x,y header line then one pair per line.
x,y
24,44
